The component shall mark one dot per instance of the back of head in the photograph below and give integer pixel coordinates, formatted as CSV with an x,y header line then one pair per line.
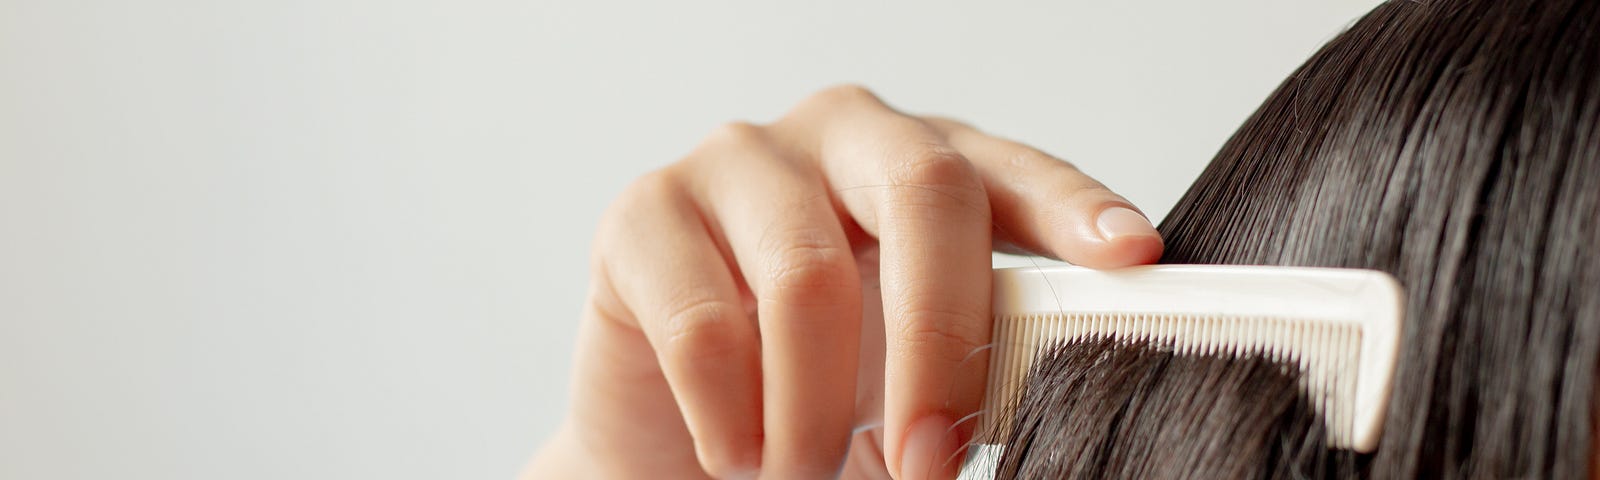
x,y
1455,145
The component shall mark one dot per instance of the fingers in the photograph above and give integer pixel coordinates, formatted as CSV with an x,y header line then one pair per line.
x,y
777,209
666,269
622,411
786,237
930,212
1045,205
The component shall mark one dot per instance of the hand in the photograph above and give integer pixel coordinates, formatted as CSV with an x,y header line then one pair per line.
x,y
723,333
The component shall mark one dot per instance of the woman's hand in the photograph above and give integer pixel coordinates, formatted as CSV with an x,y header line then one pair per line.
x,y
723,333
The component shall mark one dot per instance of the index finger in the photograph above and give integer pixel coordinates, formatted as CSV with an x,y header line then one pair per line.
x,y
1047,206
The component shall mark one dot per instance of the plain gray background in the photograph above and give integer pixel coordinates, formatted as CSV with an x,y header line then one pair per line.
x,y
347,239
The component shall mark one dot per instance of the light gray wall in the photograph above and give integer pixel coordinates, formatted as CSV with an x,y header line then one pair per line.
x,y
347,239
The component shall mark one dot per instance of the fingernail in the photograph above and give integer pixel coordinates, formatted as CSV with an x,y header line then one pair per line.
x,y
929,444
1117,222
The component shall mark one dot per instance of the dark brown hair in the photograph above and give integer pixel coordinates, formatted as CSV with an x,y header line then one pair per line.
x,y
1102,408
1455,145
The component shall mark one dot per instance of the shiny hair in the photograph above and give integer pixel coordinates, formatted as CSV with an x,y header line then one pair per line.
x,y
1455,145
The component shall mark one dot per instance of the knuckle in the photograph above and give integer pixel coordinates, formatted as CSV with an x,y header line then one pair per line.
x,y
844,94
701,333
810,271
736,134
945,335
603,300
1087,194
648,193
948,122
935,166
649,189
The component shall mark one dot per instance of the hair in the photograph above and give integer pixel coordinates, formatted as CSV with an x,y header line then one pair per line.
x,y
1181,409
1452,144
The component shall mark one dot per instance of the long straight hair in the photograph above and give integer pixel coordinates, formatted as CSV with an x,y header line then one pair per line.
x,y
1456,145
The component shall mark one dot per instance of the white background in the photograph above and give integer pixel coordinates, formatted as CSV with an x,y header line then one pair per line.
x,y
347,239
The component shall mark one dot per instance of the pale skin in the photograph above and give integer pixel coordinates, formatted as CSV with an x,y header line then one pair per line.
x,y
790,287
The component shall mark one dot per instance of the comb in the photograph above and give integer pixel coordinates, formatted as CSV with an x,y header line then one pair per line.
x,y
1341,327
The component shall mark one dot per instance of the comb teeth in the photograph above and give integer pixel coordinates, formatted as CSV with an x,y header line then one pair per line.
x,y
1326,354
1339,327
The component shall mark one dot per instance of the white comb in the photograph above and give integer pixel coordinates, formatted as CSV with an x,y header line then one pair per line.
x,y
1341,326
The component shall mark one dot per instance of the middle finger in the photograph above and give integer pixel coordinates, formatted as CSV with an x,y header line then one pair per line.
x,y
926,205
792,251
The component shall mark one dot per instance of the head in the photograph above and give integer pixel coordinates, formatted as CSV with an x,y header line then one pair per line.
x,y
1455,145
